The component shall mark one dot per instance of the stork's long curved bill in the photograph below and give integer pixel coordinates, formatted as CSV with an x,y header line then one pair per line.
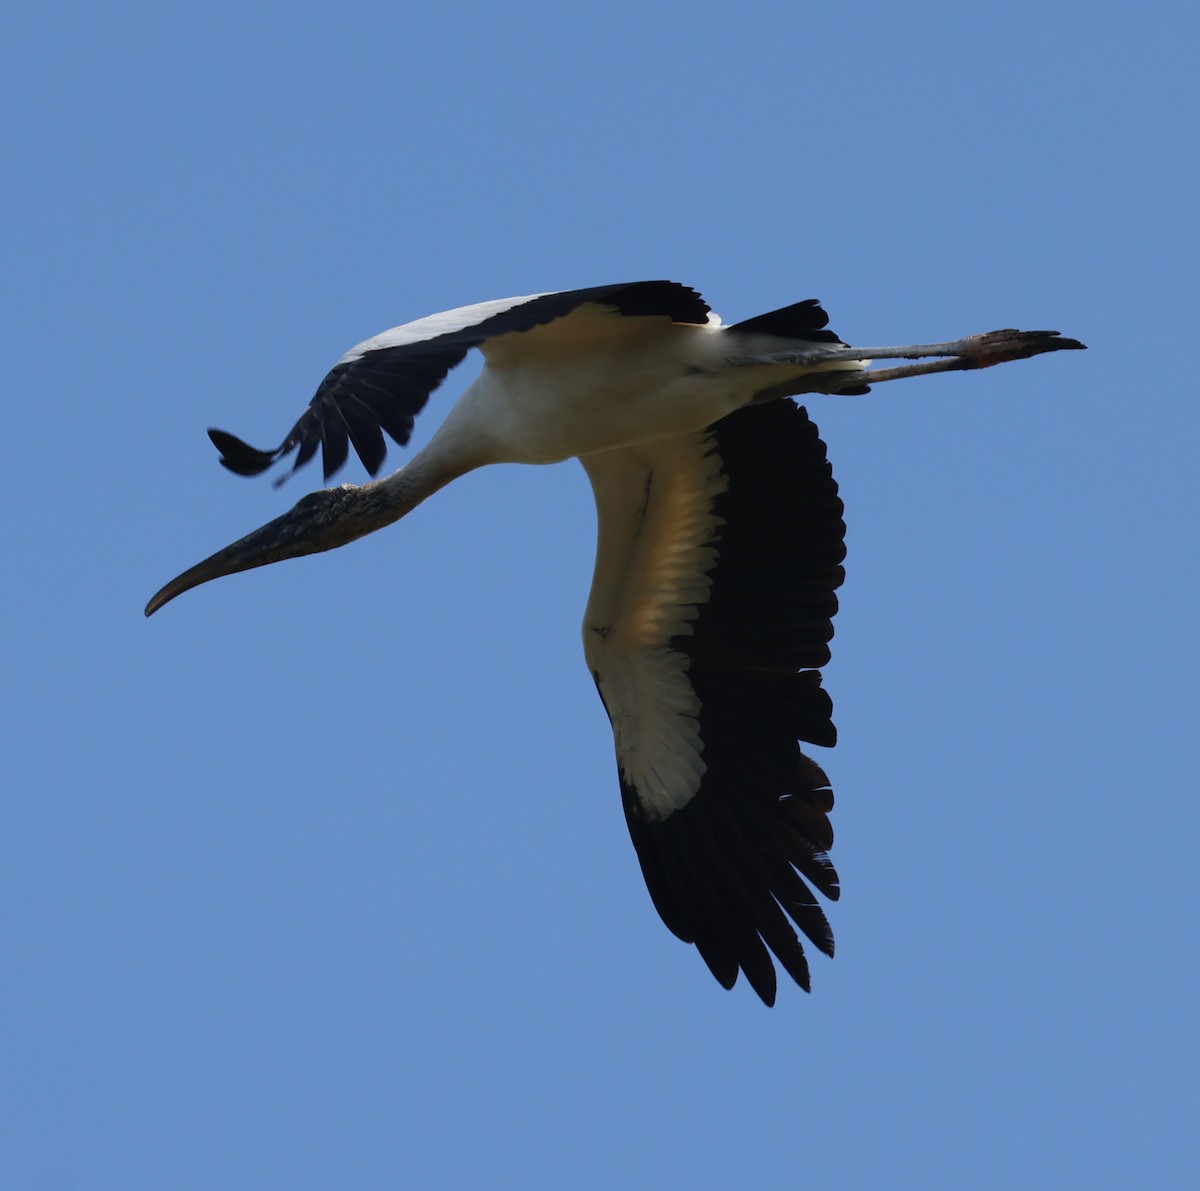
x,y
254,550
309,527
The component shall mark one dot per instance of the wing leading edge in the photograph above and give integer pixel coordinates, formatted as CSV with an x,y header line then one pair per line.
x,y
383,384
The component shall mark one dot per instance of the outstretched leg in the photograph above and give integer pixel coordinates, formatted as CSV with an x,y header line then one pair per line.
x,y
975,351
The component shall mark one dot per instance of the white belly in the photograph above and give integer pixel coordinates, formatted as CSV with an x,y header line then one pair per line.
x,y
639,386
563,405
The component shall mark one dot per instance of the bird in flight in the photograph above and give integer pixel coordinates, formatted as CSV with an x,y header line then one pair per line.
x,y
719,555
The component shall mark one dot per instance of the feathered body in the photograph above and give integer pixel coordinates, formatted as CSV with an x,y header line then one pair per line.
x,y
719,554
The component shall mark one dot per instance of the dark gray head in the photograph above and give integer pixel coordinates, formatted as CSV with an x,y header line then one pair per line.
x,y
319,521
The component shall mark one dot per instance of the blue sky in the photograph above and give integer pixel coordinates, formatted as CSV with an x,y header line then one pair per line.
x,y
320,879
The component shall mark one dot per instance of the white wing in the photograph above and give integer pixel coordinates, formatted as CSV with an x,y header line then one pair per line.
x,y
383,383
719,554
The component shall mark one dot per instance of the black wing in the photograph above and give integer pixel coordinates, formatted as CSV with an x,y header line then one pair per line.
x,y
749,508
383,384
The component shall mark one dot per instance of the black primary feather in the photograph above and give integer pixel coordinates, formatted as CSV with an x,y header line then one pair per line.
x,y
385,389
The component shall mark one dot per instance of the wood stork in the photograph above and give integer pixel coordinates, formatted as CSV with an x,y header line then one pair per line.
x,y
719,555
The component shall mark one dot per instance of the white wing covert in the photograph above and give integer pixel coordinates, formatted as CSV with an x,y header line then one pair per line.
x,y
718,561
383,383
